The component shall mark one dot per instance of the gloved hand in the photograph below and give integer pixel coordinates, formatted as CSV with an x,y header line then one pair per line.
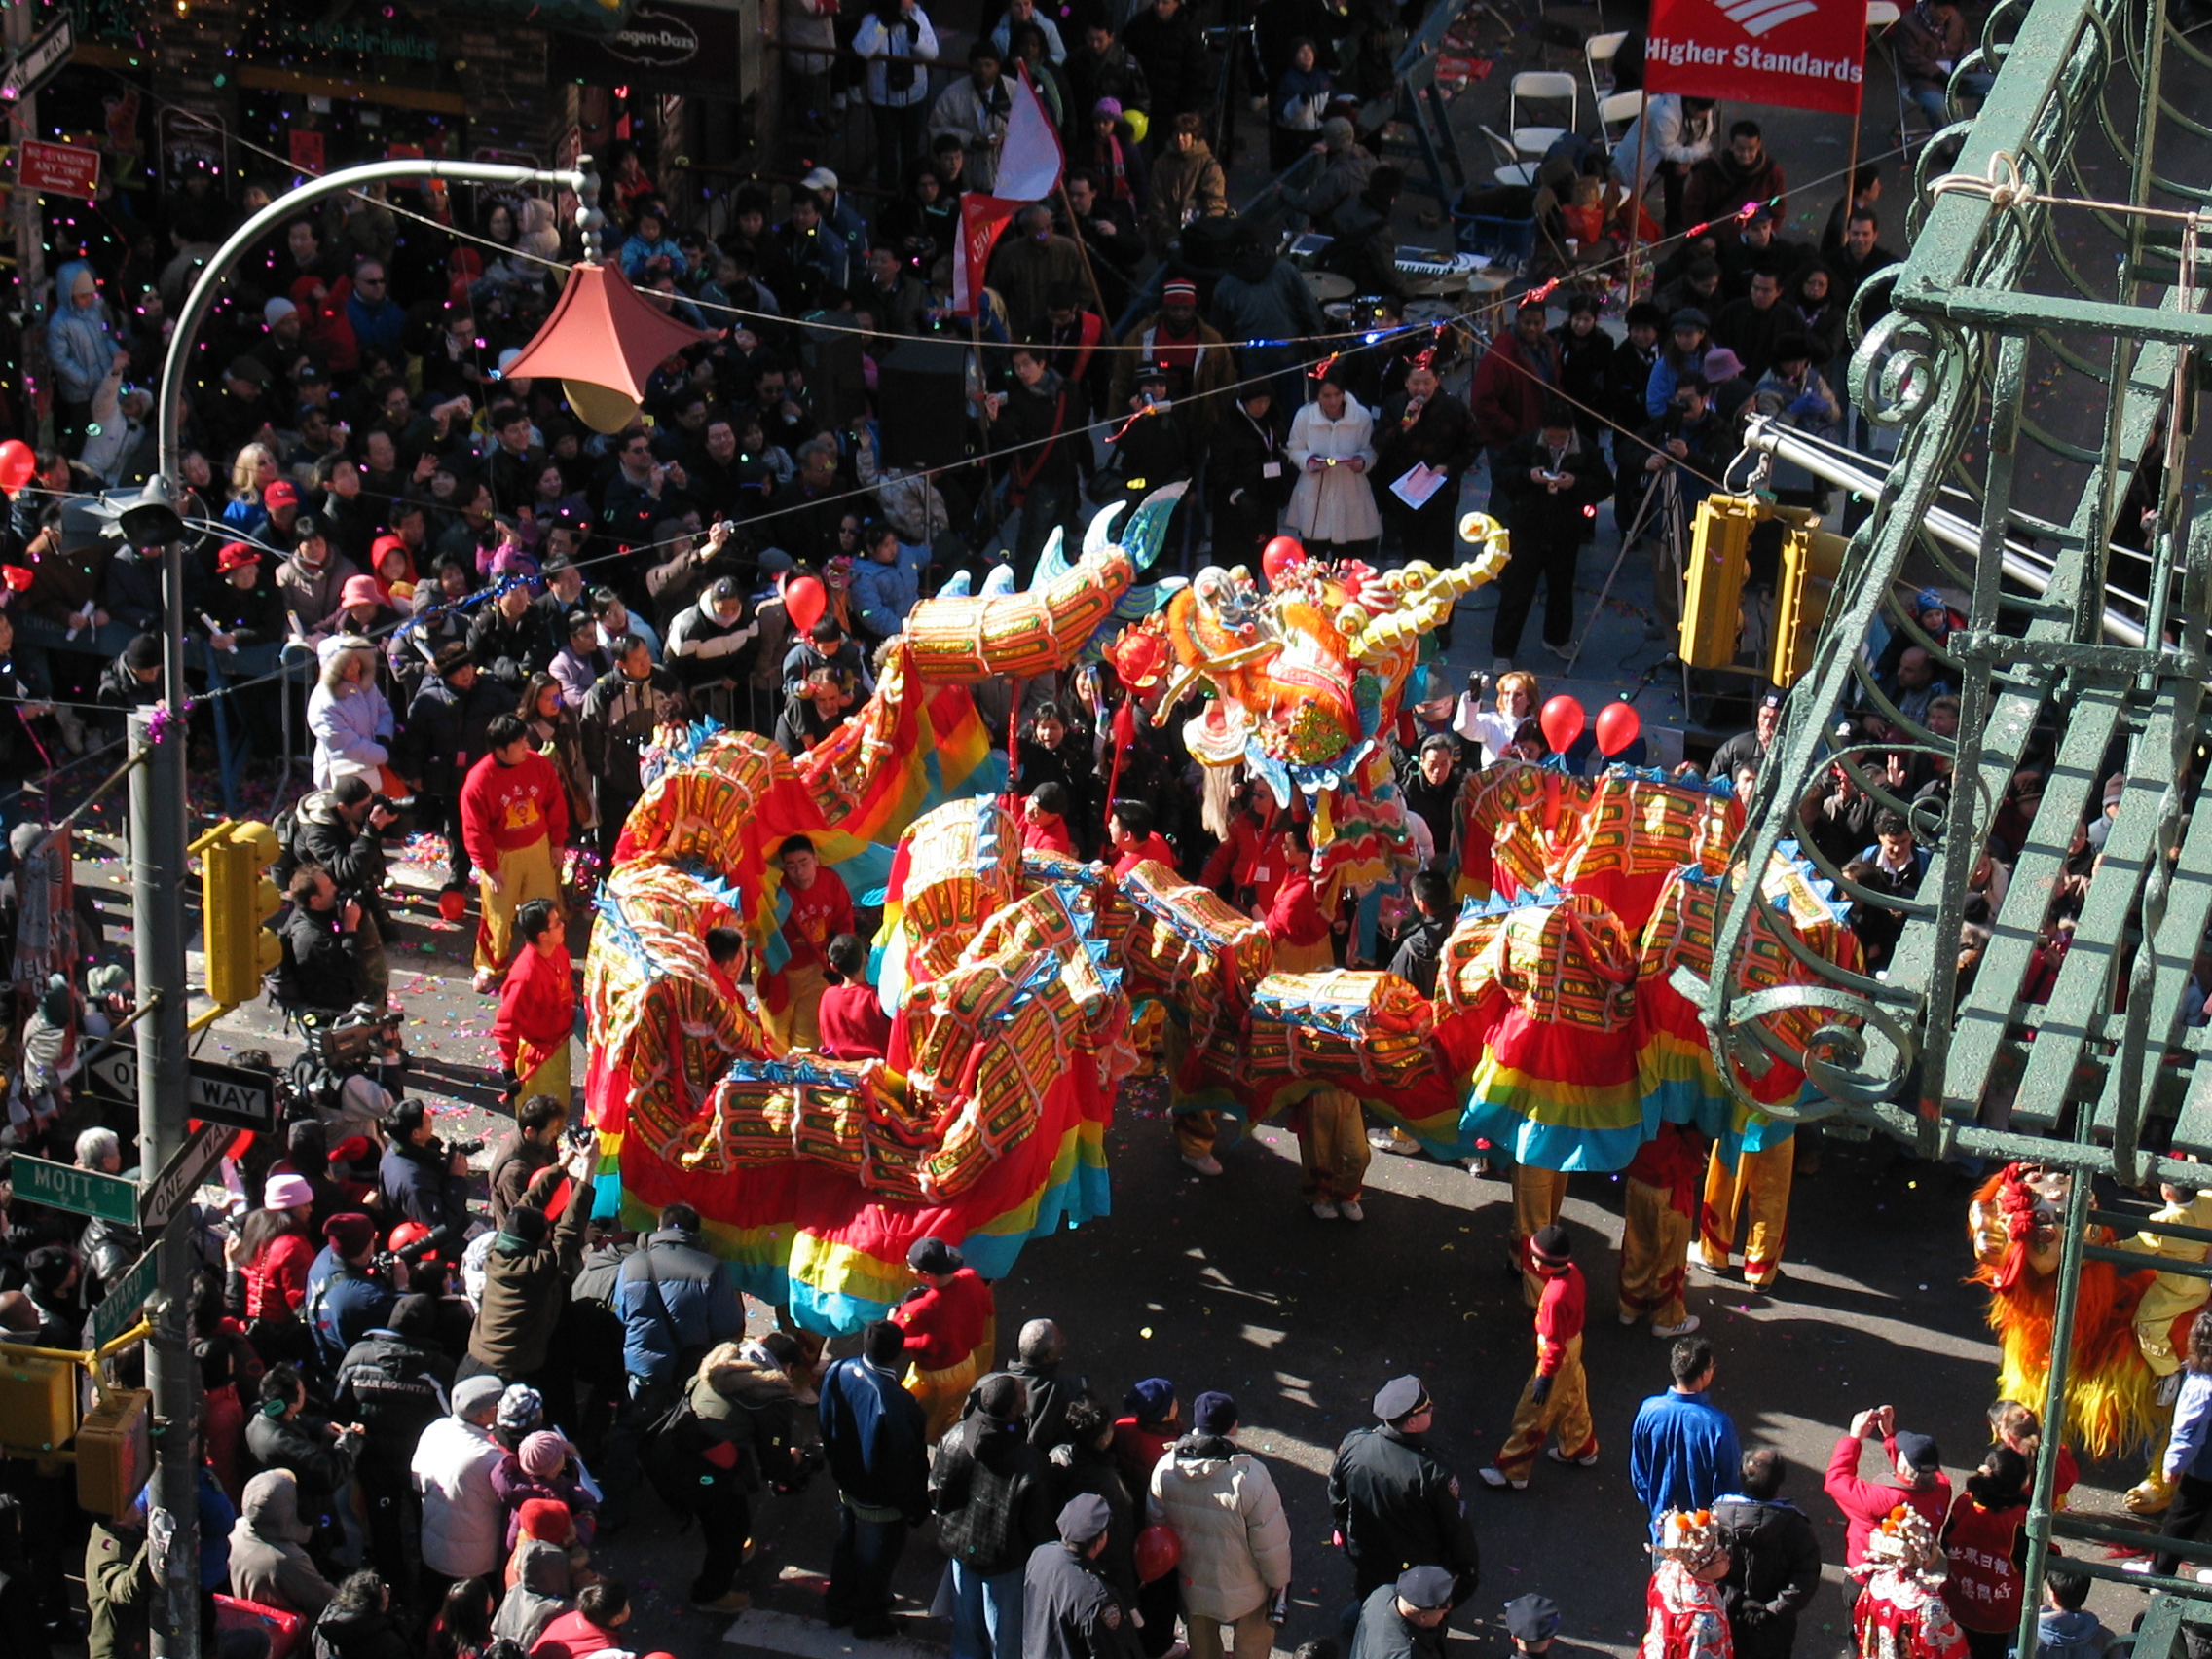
x,y
1540,1391
1809,403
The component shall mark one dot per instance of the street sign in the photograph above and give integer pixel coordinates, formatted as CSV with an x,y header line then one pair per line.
x,y
57,170
81,1192
38,63
166,1193
218,1094
127,1297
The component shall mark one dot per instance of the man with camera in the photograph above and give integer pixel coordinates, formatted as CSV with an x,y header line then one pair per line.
x,y
345,1299
1550,481
342,829
421,1180
322,944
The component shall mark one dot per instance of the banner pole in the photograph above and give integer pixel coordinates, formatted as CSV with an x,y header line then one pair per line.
x,y
1636,189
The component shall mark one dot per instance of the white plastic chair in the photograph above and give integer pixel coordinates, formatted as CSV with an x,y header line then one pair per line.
x,y
1541,86
1597,52
1616,114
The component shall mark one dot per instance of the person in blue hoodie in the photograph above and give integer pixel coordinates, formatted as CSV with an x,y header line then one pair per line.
x,y
83,347
887,583
2065,1629
650,242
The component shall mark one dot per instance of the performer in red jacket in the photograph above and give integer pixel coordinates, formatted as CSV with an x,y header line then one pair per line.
x,y
538,1007
514,822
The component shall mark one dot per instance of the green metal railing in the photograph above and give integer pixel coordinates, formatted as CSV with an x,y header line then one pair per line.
x,y
2035,355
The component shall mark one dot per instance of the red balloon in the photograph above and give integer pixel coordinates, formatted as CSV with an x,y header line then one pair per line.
x,y
17,463
805,601
1159,1550
1561,721
1281,556
1618,726
453,904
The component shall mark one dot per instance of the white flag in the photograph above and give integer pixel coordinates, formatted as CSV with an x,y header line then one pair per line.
x,y
1029,163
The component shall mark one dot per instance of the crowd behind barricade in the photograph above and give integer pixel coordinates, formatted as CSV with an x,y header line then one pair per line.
x,y
424,1406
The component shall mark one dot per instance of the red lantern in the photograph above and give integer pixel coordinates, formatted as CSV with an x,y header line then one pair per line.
x,y
1561,721
804,602
1618,726
453,904
1281,556
18,464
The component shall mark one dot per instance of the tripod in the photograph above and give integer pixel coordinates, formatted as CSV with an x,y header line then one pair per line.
x,y
1663,498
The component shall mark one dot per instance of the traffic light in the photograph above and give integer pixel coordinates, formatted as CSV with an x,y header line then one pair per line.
x,y
1720,544
235,898
1809,561
115,1452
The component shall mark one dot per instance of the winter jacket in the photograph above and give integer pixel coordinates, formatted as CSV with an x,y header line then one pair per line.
x,y
322,968
1335,504
538,1595
1682,1454
311,597
1175,60
618,717
276,1280
1774,1568
79,343
1550,519
573,1636
396,1390
703,649
696,1305
524,1291
445,731
883,594
912,42
872,1433
267,1566
463,1519
1719,187
517,1487
750,1408
1186,185
353,733
974,118
994,1494
120,1591
1511,385
418,1184
1341,182
320,1464
346,1635
1223,1504
344,1304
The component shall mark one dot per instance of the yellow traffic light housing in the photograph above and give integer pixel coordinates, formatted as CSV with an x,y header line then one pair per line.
x,y
1720,545
1809,561
235,899
115,1452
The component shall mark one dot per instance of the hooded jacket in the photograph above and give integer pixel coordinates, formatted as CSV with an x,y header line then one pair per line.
x,y
994,1492
267,1566
1774,1568
524,1291
80,343
396,1385
673,1296
1223,1504
539,1594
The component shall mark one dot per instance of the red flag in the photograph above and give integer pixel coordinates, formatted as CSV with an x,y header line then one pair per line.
x,y
982,219
1792,53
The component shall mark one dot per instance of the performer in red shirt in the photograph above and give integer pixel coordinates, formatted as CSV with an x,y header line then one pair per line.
x,y
537,1008
820,911
514,822
854,1025
1045,819
949,1327
1921,1483
1130,828
1557,1398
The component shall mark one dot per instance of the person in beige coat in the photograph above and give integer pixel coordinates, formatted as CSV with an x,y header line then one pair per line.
x,y
1332,444
267,1566
1223,1504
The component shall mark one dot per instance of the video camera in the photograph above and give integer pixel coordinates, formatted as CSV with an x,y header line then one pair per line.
x,y
390,1265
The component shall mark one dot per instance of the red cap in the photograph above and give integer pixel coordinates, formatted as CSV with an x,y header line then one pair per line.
x,y
19,577
232,555
281,493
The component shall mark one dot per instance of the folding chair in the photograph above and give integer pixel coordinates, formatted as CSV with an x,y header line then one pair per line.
x,y
1509,171
1597,52
1616,114
1541,86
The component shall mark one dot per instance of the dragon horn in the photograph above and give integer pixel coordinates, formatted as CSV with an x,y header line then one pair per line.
x,y
1099,534
1149,528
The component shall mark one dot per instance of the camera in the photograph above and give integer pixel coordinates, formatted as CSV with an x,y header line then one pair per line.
x,y
389,1263
1478,683
467,1149
578,1135
806,1463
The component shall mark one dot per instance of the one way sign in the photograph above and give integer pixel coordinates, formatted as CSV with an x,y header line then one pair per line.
x,y
219,1094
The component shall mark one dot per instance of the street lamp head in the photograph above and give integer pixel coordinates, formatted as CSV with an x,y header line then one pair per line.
x,y
152,521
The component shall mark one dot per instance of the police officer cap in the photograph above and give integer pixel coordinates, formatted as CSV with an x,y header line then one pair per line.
x,y
1084,1520
1425,1589
1530,1619
1401,1398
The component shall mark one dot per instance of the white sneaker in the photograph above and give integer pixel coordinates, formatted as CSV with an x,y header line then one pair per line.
x,y
1326,1211
1205,1165
1559,1456
1349,1210
1565,654
1491,1476
1502,665
1668,1333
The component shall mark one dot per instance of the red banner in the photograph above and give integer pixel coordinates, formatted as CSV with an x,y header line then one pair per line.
x,y
1793,52
982,219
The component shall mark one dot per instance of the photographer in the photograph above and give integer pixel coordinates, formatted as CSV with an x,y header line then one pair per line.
x,y
322,964
1552,480
534,1144
345,1299
421,1180
342,829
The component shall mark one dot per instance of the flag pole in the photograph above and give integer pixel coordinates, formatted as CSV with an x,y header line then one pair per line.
x,y
1636,188
1074,230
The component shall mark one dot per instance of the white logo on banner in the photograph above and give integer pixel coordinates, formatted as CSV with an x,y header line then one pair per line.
x,y
1757,17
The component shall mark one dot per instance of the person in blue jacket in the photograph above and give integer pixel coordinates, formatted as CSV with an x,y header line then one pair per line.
x,y
873,1434
1682,1452
346,1301
82,346
887,581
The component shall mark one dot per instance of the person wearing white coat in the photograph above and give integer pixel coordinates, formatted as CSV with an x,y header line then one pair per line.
x,y
899,44
352,722
463,1521
1332,444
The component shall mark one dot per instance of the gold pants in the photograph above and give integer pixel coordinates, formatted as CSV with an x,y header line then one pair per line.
x,y
1195,1133
1760,1193
1566,1413
1655,1247
943,1393
1332,1148
1251,1637
526,872
550,1075
1538,1194
795,1026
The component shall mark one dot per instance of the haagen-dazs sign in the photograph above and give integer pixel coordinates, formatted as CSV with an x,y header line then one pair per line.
x,y
655,39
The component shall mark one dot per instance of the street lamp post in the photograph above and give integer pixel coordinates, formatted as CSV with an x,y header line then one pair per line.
x,y
158,837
